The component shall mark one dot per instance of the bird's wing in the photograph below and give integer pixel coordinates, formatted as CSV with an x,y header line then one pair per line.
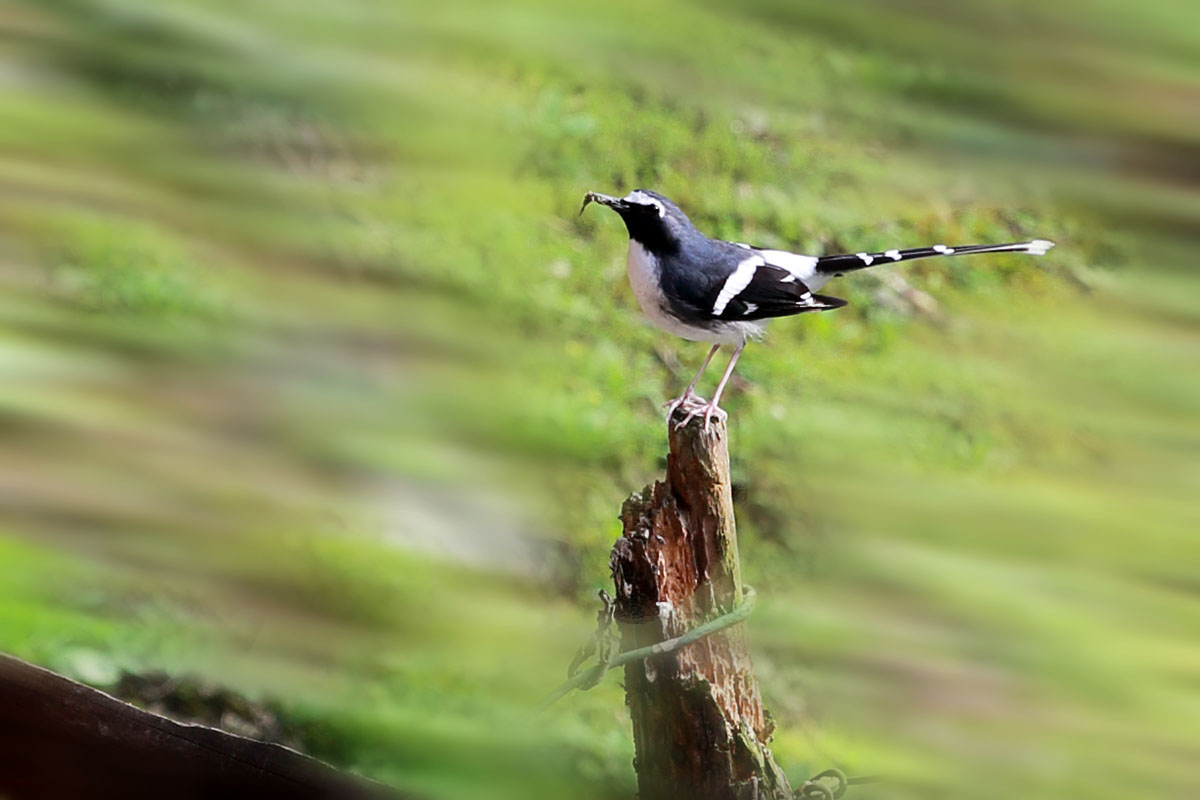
x,y
727,282
766,291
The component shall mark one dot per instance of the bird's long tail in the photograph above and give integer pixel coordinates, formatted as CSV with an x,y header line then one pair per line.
x,y
848,262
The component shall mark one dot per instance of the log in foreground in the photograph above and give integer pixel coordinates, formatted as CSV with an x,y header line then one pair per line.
x,y
59,738
698,722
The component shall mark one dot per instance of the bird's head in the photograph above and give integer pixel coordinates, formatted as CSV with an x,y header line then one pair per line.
x,y
652,220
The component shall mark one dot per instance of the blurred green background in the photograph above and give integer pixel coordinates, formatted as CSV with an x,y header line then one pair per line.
x,y
315,386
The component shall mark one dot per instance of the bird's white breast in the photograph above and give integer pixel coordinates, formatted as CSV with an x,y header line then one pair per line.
x,y
645,280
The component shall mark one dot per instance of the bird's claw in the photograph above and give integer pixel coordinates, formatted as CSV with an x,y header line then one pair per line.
x,y
709,410
688,402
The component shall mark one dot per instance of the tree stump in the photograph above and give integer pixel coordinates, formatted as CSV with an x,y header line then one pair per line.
x,y
698,722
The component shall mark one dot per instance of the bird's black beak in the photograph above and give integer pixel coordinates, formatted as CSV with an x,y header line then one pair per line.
x,y
614,203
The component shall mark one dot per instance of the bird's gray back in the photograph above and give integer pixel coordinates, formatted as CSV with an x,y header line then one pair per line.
x,y
709,263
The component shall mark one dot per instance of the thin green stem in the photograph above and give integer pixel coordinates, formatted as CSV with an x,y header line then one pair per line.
x,y
591,677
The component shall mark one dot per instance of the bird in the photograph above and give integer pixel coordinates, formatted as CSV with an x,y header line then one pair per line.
x,y
723,293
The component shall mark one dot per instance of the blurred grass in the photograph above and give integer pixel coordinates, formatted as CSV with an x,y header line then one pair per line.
x,y
316,385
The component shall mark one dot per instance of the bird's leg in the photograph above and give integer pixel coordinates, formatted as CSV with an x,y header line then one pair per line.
x,y
710,409
688,400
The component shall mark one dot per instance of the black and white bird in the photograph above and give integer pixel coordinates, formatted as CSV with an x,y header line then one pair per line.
x,y
708,290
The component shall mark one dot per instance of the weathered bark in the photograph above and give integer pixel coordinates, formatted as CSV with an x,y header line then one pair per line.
x,y
59,738
698,722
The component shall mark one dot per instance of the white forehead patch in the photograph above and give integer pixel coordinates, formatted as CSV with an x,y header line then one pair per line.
x,y
643,199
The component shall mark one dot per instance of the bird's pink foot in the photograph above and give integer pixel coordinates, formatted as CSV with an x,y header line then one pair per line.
x,y
688,402
709,410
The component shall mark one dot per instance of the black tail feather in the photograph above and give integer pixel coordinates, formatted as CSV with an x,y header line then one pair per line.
x,y
848,262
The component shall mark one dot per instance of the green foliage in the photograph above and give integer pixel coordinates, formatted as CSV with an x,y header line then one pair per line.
x,y
122,269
